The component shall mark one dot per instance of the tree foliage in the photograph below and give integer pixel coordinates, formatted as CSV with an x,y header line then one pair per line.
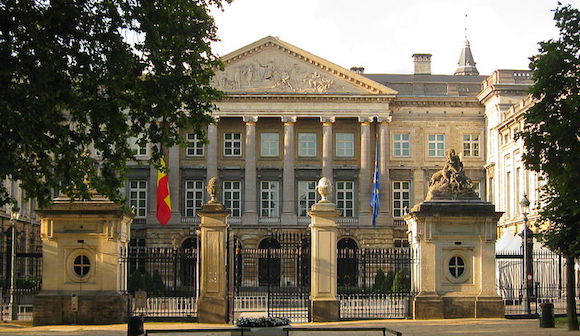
x,y
85,76
552,131
552,141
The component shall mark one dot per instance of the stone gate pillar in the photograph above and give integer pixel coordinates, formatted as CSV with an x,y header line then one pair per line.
x,y
82,278
452,234
212,301
324,304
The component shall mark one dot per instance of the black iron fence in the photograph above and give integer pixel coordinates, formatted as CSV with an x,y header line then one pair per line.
x,y
548,279
27,282
167,276
374,283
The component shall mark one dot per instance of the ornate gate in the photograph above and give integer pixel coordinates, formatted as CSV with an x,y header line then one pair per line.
x,y
272,279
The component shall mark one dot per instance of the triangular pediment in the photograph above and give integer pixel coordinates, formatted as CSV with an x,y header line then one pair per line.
x,y
271,65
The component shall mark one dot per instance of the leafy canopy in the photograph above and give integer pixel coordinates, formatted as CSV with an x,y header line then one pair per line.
x,y
552,131
79,78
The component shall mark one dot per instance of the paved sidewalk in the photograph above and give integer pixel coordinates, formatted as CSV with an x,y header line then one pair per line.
x,y
485,327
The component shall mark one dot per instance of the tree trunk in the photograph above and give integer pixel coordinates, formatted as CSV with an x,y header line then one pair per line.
x,y
571,294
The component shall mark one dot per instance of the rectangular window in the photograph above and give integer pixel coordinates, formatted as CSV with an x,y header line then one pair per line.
x,y
193,197
138,149
270,144
402,144
307,144
436,145
194,145
269,197
470,145
517,196
401,197
345,198
233,197
477,188
232,144
344,144
508,196
138,197
306,196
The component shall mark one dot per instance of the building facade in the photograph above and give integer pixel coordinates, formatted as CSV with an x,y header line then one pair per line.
x,y
290,117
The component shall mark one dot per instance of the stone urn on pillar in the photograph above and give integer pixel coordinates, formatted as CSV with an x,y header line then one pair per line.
x,y
212,301
452,235
324,304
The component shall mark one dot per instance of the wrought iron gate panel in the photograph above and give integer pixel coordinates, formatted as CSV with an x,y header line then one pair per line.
x,y
374,283
273,280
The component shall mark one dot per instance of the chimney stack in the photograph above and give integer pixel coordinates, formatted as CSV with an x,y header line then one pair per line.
x,y
422,64
358,70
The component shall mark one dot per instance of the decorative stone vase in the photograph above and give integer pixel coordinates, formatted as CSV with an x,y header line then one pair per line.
x,y
266,331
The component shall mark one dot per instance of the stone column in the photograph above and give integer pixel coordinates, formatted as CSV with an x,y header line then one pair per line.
x,y
212,150
385,184
324,304
418,186
288,196
174,176
327,155
250,195
366,169
212,301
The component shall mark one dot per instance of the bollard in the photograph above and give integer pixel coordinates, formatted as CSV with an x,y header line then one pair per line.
x,y
135,326
547,315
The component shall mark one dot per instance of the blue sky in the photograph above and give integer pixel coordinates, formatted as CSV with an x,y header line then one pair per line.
x,y
381,35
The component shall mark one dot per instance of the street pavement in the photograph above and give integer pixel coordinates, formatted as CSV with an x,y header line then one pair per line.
x,y
485,327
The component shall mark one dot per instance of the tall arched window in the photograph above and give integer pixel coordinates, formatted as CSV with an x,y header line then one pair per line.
x,y
347,263
269,262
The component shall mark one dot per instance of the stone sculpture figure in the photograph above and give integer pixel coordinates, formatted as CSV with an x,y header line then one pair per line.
x,y
451,183
324,188
212,190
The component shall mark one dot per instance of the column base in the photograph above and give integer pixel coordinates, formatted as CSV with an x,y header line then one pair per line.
x,y
325,310
212,309
427,307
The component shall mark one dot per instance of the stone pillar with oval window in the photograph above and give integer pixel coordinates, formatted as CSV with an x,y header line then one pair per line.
x,y
82,278
452,235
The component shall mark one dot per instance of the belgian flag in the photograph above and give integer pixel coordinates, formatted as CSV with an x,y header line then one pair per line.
x,y
163,198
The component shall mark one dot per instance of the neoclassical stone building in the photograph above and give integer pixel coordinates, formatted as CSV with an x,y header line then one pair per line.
x,y
291,117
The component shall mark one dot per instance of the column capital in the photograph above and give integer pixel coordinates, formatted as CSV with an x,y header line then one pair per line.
x,y
250,120
366,120
385,121
327,120
288,120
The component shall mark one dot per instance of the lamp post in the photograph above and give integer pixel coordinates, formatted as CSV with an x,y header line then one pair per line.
x,y
14,215
528,250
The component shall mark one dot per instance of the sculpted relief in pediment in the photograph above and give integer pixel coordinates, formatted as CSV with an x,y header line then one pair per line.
x,y
272,72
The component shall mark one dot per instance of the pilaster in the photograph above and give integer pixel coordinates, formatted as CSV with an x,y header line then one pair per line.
x,y
288,196
327,155
364,186
212,150
250,179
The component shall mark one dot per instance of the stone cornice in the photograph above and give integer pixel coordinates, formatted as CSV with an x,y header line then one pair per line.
x,y
306,97
436,102
336,70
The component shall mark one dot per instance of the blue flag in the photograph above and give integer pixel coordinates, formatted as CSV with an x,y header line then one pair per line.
x,y
376,195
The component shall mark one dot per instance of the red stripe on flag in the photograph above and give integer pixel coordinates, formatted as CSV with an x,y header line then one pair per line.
x,y
163,202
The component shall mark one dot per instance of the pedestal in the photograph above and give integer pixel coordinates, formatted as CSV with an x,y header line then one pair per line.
x,y
212,302
324,304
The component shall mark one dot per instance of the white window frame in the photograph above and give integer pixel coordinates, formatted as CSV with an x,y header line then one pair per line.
x,y
399,143
471,147
230,141
193,197
344,147
269,144
138,197
399,199
436,145
270,199
307,144
231,190
195,147
344,195
306,197
138,151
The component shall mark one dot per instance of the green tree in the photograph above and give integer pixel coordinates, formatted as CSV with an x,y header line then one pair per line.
x,y
80,76
552,140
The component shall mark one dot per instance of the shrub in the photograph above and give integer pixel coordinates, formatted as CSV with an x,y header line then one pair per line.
x,y
258,322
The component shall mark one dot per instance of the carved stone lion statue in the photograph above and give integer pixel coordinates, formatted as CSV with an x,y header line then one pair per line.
x,y
324,188
451,181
